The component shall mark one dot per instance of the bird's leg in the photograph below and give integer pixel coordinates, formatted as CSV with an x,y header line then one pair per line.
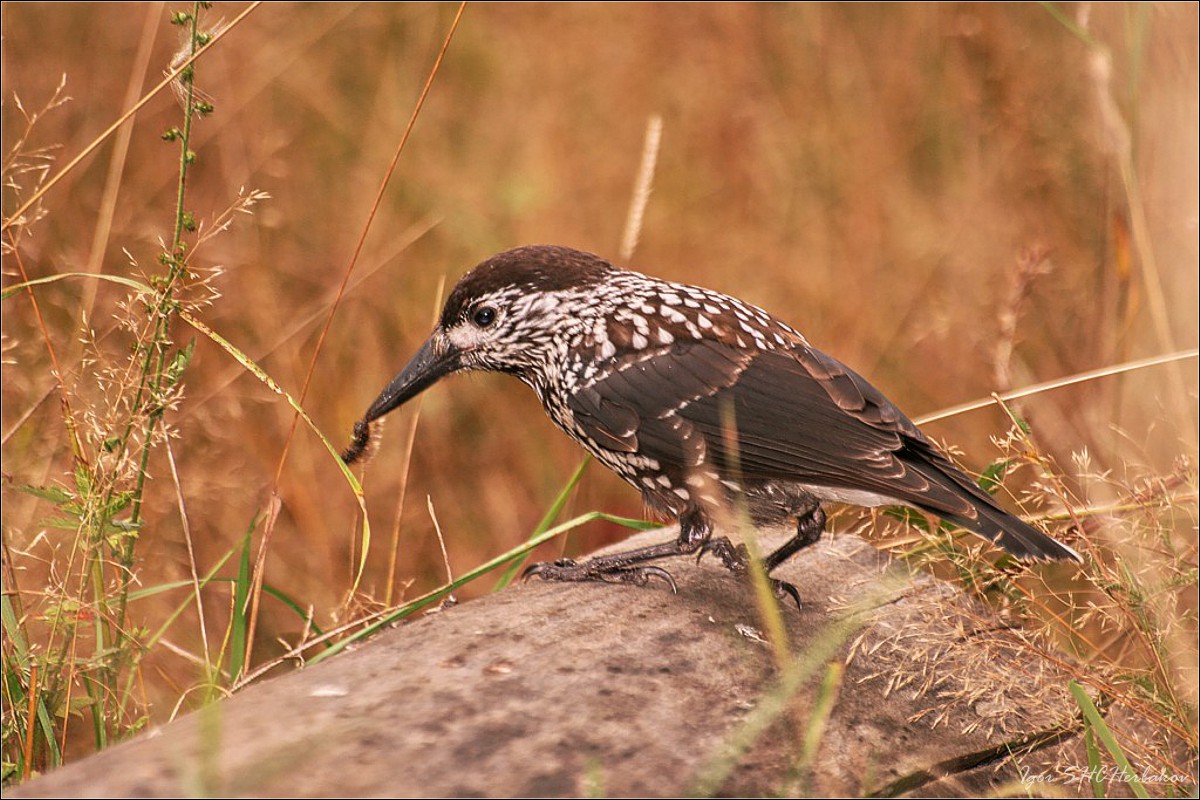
x,y
628,567
809,526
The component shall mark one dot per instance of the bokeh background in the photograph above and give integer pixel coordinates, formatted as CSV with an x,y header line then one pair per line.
x,y
875,174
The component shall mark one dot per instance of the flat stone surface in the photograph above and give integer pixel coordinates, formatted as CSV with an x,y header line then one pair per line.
x,y
552,690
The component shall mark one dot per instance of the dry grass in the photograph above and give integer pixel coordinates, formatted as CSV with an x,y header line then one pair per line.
x,y
956,200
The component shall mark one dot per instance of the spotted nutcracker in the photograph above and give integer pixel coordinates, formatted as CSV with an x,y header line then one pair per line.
x,y
700,401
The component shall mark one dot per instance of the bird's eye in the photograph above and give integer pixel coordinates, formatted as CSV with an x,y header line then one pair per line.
x,y
483,316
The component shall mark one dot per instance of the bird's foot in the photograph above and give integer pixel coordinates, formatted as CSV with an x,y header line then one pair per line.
x,y
736,559
566,569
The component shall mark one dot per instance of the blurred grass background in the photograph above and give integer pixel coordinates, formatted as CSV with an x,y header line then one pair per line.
x,y
871,173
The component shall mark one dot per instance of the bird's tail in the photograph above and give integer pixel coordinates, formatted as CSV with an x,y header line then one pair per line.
x,y
956,498
1017,537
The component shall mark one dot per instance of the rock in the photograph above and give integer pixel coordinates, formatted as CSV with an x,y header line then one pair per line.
x,y
552,690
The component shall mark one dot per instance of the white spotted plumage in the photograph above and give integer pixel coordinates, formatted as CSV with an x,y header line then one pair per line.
x,y
645,374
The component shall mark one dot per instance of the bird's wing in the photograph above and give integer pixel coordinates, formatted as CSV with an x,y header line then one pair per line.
x,y
796,415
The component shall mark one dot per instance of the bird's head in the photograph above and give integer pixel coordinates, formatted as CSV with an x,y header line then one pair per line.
x,y
511,314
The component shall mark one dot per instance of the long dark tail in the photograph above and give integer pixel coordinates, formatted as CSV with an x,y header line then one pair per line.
x,y
960,500
1017,537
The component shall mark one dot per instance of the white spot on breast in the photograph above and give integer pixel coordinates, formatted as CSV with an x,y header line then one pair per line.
x,y
638,341
703,321
665,336
681,493
607,349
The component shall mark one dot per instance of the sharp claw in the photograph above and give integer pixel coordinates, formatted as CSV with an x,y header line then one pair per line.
x,y
544,568
783,587
646,573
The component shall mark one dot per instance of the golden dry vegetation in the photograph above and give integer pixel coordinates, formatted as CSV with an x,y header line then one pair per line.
x,y
954,199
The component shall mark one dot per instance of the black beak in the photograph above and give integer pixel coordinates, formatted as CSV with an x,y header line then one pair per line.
x,y
436,359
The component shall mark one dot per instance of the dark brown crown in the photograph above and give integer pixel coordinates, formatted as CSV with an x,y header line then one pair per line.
x,y
533,268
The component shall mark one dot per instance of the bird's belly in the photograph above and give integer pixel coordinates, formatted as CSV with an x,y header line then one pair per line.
x,y
775,501
854,497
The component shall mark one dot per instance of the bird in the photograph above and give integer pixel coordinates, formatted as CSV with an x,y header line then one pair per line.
x,y
699,400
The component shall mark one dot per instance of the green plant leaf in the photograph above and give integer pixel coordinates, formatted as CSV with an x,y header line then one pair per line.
x,y
52,494
992,477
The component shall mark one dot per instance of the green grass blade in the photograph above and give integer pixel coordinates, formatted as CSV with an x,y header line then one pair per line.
x,y
770,707
437,594
16,663
1096,723
301,612
1095,765
270,383
777,699
818,719
241,610
132,284
12,629
207,579
49,735
96,707
1065,20
278,594
555,509
161,588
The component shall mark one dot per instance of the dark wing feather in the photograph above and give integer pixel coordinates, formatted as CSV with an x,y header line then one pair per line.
x,y
799,415
624,410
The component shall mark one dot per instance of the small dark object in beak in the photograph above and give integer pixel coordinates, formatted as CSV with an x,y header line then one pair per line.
x,y
360,442
427,367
